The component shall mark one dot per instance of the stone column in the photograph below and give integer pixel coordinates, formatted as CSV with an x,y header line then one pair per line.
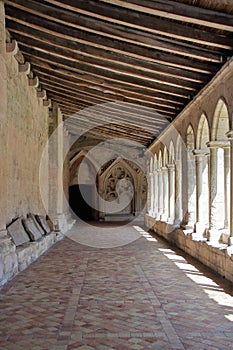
x,y
226,186
178,194
200,224
155,193
152,194
191,192
230,137
164,216
214,233
149,198
56,159
171,191
148,194
160,194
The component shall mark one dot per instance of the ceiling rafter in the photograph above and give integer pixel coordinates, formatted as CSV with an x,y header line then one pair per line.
x,y
125,68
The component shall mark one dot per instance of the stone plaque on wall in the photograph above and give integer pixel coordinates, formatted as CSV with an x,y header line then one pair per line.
x,y
31,229
40,229
17,232
43,224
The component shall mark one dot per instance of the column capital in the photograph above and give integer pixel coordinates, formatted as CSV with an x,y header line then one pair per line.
x,y
171,166
202,152
218,144
229,135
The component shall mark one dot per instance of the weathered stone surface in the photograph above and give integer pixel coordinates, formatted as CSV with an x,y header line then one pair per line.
x,y
17,232
31,228
41,220
36,224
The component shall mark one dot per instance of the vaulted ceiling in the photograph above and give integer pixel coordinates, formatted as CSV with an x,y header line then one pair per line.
x,y
122,68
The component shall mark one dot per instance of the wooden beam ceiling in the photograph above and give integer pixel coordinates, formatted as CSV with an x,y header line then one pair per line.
x,y
150,54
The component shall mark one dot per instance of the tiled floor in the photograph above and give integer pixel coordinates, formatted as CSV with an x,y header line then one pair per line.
x,y
138,294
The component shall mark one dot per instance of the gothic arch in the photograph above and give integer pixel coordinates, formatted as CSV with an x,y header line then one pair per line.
x,y
202,132
221,122
122,177
165,156
171,154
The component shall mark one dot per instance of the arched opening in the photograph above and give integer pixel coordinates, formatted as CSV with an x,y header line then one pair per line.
x,y
202,177
82,199
219,173
122,188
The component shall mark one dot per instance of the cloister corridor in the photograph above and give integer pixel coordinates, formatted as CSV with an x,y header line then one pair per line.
x,y
131,291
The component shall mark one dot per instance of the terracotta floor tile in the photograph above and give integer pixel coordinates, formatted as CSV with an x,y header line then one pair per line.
x,y
138,295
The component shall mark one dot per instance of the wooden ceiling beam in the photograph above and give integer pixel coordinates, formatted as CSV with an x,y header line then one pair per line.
x,y
179,12
88,63
113,133
116,33
107,118
161,26
118,77
104,57
84,84
175,59
51,85
124,112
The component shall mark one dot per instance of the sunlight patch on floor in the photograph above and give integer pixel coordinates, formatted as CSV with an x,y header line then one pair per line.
x,y
211,288
145,234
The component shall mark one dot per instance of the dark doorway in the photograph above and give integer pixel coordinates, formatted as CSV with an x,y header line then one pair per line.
x,y
78,204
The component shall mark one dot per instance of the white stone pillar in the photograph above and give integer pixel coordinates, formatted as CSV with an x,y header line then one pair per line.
x,y
164,216
56,159
226,186
178,193
150,194
155,193
191,192
171,190
230,137
214,233
160,194
200,224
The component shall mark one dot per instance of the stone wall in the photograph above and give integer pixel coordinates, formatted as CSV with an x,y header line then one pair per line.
x,y
26,130
201,132
218,258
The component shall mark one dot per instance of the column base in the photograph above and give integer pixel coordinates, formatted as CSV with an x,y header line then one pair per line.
x,y
230,241
60,223
200,230
214,236
164,218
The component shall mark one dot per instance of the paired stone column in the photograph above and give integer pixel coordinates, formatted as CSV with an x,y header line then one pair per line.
x,y
230,137
214,233
200,224
178,193
226,186
160,194
150,193
190,217
164,216
155,193
171,190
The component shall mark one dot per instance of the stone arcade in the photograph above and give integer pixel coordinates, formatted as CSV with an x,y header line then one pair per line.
x,y
127,115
